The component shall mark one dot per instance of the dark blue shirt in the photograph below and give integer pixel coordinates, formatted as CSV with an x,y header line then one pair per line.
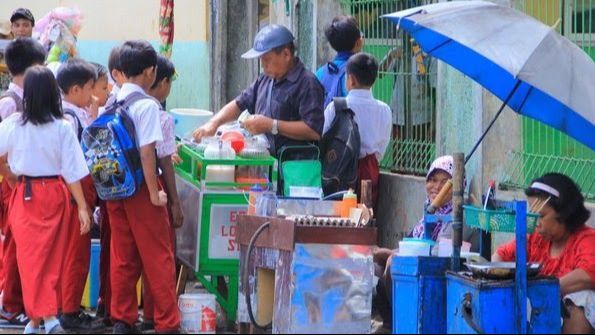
x,y
298,96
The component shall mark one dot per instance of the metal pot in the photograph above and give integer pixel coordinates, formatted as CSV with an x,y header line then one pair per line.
x,y
500,270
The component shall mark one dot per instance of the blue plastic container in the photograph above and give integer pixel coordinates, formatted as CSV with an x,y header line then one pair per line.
x,y
419,294
91,293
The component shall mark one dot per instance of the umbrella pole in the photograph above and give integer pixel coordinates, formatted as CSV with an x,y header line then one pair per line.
x,y
457,211
485,132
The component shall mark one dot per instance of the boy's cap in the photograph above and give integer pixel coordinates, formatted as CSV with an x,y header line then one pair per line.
x,y
22,13
267,39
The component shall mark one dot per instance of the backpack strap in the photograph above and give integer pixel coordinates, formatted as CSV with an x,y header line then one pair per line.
x,y
79,131
340,104
16,98
134,97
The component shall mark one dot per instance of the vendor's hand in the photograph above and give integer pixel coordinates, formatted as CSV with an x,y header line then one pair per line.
x,y
85,220
177,214
209,129
258,124
159,199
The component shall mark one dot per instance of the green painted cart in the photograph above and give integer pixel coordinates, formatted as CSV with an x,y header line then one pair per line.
x,y
207,241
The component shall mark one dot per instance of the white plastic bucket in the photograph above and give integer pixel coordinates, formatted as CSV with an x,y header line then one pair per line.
x,y
187,120
198,313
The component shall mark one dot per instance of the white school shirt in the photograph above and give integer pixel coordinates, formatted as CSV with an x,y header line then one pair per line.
x,y
144,114
51,149
7,104
373,117
168,146
81,114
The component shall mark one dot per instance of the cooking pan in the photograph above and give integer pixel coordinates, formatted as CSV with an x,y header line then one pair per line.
x,y
500,270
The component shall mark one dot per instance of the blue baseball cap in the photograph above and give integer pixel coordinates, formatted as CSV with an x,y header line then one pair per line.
x,y
267,39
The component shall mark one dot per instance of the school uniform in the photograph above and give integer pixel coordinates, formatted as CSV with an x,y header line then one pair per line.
x,y
78,251
137,241
374,120
164,148
10,281
44,157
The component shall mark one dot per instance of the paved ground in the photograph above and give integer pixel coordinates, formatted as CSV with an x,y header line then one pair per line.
x,y
5,328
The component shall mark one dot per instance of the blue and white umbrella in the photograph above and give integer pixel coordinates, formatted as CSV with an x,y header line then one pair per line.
x,y
533,69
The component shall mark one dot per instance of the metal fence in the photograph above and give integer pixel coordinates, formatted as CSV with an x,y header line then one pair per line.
x,y
544,148
406,82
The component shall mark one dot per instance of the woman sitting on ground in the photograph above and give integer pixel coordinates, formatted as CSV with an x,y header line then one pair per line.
x,y
564,245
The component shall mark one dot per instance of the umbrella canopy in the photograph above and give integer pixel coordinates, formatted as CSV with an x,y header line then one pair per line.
x,y
537,72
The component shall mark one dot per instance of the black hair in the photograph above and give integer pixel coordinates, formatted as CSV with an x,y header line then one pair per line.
x,y
290,46
363,67
75,72
165,69
100,70
113,62
136,56
343,33
41,96
570,205
23,53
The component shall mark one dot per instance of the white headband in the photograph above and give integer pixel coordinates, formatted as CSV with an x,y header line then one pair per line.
x,y
546,188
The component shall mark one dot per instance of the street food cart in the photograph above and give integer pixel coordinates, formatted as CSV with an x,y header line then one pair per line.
x,y
206,243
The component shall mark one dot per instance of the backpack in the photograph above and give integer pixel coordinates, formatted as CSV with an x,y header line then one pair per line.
x,y
340,147
332,80
17,100
111,151
79,130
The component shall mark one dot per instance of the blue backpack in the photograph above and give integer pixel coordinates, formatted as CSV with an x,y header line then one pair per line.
x,y
111,151
332,79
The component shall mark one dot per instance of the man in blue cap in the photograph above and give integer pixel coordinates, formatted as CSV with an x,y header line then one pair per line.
x,y
286,100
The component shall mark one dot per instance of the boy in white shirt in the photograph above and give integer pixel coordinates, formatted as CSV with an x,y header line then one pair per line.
x,y
373,116
76,79
139,224
21,54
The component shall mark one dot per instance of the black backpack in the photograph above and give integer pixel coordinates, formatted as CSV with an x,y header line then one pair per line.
x,y
339,149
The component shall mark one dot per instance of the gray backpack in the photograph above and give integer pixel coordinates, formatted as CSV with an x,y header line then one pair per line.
x,y
17,100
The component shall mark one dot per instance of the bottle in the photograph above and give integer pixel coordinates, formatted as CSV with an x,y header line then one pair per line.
x,y
349,202
255,191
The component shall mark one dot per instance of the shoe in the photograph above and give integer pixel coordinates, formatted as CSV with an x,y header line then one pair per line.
x,y
56,330
122,328
147,325
80,323
20,319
